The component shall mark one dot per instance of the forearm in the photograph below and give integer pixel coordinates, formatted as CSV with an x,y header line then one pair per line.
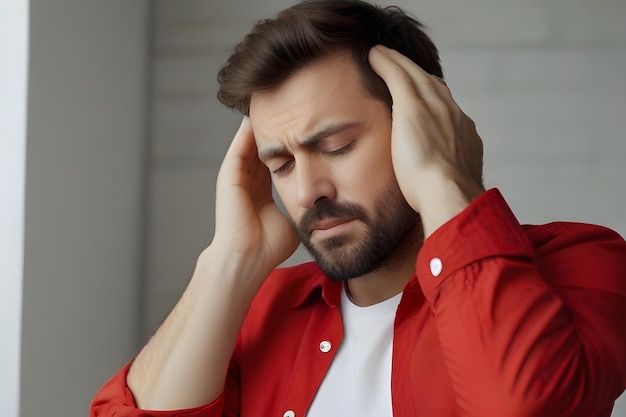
x,y
185,363
528,328
509,343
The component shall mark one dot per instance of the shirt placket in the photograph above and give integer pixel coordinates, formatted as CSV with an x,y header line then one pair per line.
x,y
317,350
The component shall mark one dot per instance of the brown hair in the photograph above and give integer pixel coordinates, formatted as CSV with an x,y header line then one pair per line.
x,y
277,48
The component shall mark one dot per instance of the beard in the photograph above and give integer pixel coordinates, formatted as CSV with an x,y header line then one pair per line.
x,y
391,231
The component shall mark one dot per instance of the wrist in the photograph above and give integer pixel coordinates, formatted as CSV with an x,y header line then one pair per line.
x,y
443,199
232,272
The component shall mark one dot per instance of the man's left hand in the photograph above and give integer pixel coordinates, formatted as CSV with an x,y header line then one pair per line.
x,y
436,151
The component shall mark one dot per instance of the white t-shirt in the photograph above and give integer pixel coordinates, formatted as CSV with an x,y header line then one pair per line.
x,y
358,383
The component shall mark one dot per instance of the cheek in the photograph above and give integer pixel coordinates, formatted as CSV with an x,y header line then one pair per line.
x,y
370,170
285,198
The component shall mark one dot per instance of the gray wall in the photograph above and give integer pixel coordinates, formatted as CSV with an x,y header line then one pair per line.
x,y
544,80
84,194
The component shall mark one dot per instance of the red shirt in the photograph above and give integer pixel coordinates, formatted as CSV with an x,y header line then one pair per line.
x,y
499,320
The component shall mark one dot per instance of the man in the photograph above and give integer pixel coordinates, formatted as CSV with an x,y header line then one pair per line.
x,y
426,298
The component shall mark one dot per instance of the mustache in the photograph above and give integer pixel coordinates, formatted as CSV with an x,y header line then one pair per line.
x,y
330,210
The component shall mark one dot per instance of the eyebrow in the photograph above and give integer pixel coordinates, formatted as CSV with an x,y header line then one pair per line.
x,y
310,141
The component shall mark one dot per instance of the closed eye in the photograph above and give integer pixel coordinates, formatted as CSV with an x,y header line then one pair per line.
x,y
284,167
341,151
288,164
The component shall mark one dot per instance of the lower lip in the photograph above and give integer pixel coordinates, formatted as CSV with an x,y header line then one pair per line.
x,y
331,231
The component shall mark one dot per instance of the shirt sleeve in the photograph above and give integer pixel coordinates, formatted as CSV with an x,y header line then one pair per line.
x,y
115,399
532,322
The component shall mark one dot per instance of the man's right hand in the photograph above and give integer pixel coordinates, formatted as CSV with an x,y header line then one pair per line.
x,y
185,363
248,222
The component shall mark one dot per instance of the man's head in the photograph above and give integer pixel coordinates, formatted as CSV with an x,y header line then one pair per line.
x,y
276,49
326,142
322,125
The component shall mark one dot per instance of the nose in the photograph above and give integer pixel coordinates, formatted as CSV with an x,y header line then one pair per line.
x,y
314,183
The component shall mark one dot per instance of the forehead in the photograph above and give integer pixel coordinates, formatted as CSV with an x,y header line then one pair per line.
x,y
330,90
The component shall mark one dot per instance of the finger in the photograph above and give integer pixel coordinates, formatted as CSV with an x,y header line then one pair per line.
x,y
415,71
242,141
241,166
441,80
242,150
429,87
401,85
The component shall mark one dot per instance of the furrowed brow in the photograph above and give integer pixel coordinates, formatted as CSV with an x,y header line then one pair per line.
x,y
310,141
328,131
268,153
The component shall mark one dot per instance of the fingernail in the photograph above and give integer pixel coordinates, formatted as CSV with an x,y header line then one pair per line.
x,y
441,80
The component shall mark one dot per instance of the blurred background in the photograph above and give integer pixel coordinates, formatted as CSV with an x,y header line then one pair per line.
x,y
111,141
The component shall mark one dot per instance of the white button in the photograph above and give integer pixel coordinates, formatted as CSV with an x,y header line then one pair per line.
x,y
436,266
289,413
325,346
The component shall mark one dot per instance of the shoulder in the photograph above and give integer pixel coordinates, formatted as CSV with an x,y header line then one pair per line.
x,y
295,280
280,303
570,231
580,254
290,286
575,237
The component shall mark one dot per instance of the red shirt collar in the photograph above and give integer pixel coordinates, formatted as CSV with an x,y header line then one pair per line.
x,y
318,287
